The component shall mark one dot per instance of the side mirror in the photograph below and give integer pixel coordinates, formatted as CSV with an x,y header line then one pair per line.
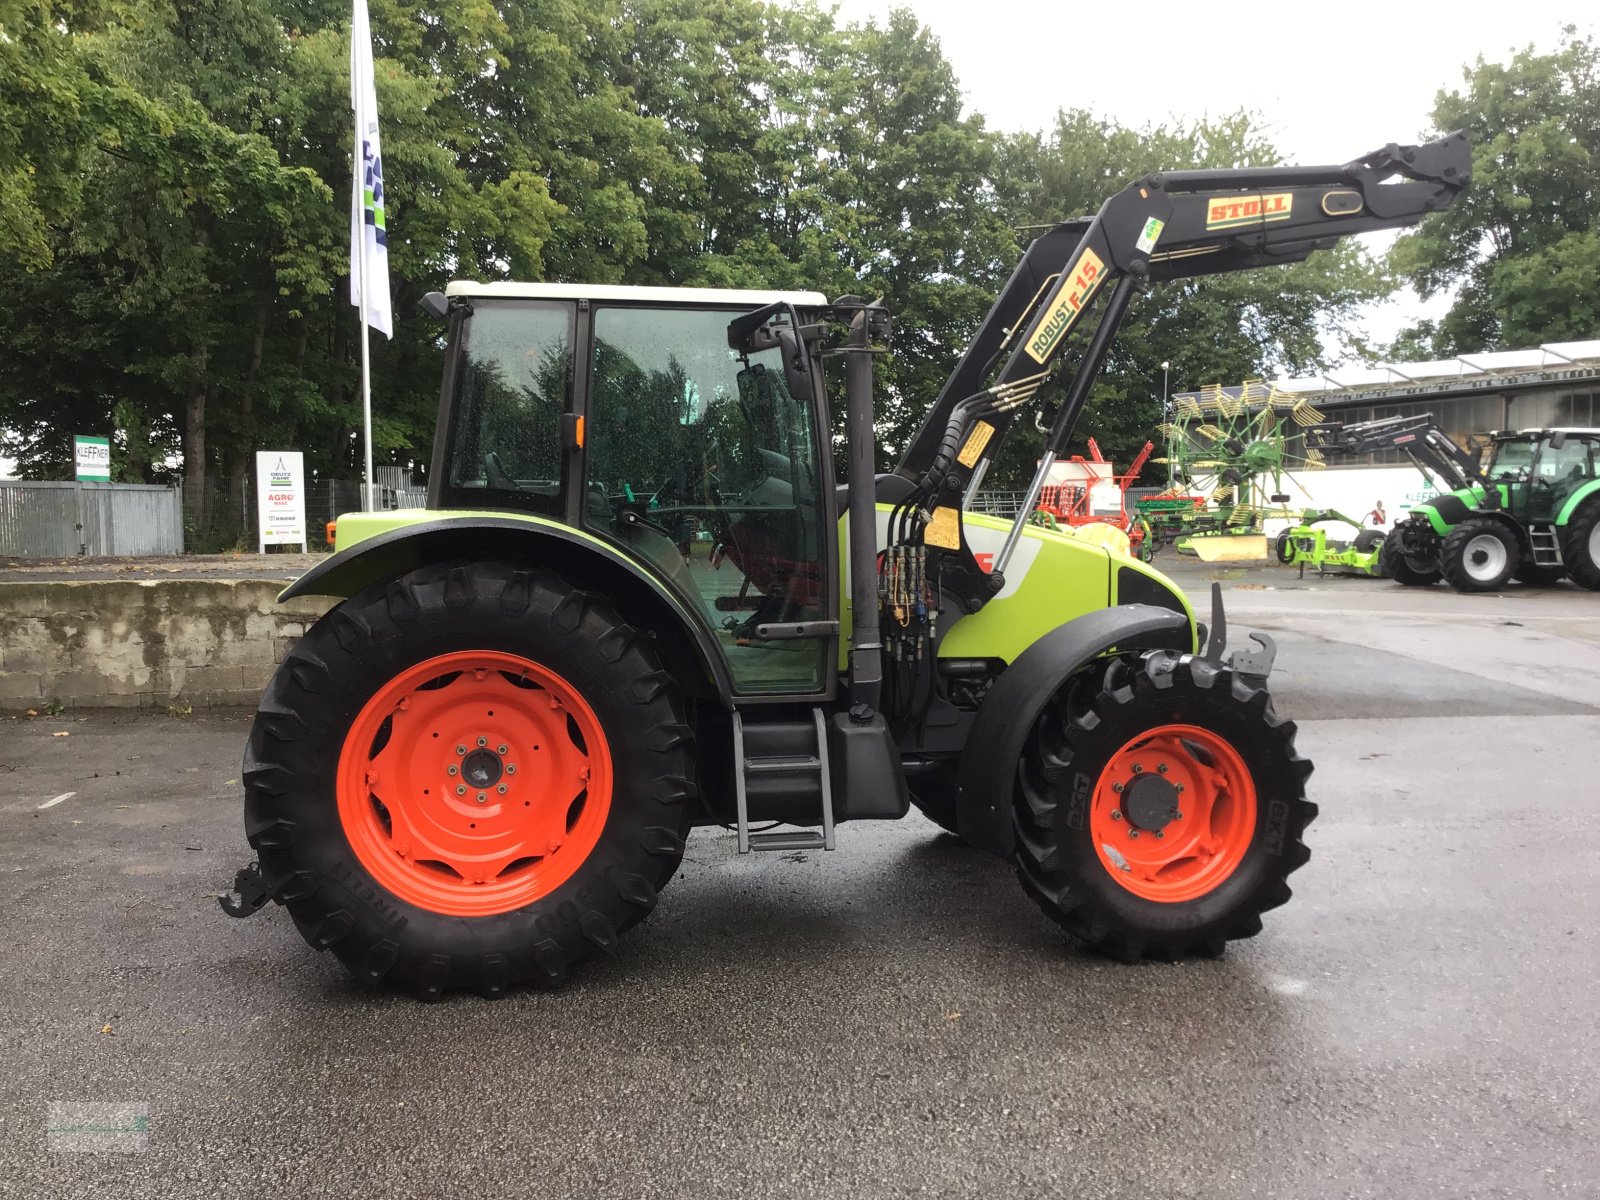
x,y
796,365
435,304
1558,440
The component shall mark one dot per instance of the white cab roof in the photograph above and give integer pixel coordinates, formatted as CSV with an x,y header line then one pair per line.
x,y
648,295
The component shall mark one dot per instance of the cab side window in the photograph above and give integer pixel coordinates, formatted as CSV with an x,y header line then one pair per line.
x,y
513,383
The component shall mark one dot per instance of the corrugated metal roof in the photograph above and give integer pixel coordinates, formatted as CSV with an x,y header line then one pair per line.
x,y
1553,361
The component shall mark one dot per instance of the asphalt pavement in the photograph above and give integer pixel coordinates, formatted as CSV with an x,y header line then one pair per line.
x,y
892,1019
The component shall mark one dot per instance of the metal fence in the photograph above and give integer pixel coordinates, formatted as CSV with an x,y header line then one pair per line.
x,y
42,519
998,504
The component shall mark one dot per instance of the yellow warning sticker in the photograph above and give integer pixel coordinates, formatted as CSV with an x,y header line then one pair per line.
x,y
976,441
943,529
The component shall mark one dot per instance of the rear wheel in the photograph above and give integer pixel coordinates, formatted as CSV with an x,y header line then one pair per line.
x,y
1395,564
469,777
1479,555
1284,547
1159,808
1580,545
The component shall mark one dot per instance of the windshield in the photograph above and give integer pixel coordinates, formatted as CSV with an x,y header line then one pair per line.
x,y
1511,458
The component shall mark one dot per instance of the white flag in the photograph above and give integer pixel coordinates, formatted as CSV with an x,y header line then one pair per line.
x,y
366,196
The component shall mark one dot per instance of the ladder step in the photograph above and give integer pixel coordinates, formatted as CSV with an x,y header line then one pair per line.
x,y
783,762
802,840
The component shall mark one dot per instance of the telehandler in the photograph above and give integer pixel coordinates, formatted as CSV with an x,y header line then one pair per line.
x,y
638,601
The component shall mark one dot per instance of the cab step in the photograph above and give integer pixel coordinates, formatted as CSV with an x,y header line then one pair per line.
x,y
1546,546
775,752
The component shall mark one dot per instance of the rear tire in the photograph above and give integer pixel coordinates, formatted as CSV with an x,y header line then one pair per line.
x,y
1284,547
1223,857
400,864
1392,564
1479,555
1580,545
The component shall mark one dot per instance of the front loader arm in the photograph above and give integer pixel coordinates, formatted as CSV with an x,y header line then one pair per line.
x,y
1165,226
1433,451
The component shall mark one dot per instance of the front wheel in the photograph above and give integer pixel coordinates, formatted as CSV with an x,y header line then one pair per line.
x,y
1159,807
1479,555
1395,564
468,777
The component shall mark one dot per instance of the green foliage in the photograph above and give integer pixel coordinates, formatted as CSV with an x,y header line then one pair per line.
x,y
1522,249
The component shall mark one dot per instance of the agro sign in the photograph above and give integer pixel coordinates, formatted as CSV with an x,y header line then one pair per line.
x,y
281,498
93,458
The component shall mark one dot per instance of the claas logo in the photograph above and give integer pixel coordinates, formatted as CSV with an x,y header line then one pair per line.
x,y
1226,212
1082,281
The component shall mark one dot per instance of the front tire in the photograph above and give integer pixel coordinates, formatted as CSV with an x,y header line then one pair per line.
x,y
1580,545
470,776
1394,564
1159,807
1479,555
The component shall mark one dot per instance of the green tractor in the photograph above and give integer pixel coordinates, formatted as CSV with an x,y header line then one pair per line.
x,y
640,602
1531,512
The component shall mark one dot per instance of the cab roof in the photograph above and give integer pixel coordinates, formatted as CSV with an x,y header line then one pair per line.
x,y
638,295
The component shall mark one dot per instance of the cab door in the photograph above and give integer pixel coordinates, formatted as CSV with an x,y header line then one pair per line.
x,y
704,466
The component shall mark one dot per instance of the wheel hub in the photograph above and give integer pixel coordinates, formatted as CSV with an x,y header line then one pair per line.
x,y
1150,803
482,768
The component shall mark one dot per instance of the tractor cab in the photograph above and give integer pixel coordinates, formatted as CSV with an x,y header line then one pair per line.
x,y
1537,470
684,427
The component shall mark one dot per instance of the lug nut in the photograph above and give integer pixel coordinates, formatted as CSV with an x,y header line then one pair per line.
x,y
1133,833
483,798
1178,787
511,769
461,789
1159,834
1116,814
1137,768
1116,787
501,789
451,769
461,749
483,741
1177,816
500,749
1162,769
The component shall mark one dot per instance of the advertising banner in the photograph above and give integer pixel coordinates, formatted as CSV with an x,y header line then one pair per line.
x,y
93,458
281,499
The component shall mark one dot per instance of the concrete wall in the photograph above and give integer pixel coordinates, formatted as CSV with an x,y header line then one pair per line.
x,y
125,643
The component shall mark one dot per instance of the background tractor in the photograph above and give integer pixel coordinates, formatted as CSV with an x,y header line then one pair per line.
x,y
1530,512
639,601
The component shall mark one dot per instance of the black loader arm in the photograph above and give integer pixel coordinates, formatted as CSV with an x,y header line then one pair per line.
x,y
1170,225
1433,451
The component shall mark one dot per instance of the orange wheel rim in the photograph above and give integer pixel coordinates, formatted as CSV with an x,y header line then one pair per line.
x,y
1174,812
474,783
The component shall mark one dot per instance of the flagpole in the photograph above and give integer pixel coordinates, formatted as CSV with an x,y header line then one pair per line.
x,y
366,366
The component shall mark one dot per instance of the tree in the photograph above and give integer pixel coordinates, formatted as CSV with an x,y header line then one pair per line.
x,y
1521,248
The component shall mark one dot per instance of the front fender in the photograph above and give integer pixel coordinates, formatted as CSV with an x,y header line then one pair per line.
x,y
587,560
1013,704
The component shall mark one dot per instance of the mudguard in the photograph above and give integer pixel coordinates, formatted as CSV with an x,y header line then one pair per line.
x,y
1013,704
590,561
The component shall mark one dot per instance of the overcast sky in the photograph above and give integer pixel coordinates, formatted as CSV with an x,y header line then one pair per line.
x,y
1332,81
